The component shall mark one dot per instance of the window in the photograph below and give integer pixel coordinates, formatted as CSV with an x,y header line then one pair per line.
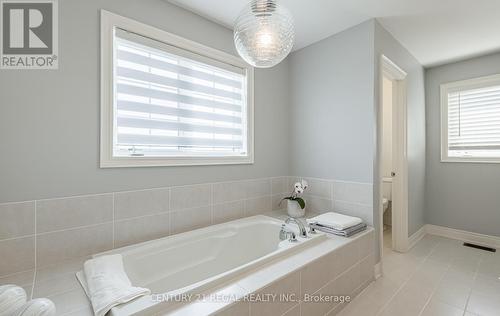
x,y
169,101
470,112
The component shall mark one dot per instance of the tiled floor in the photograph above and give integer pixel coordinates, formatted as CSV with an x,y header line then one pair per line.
x,y
438,277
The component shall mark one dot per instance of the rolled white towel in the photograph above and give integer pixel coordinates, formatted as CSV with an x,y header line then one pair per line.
x,y
106,283
335,220
12,297
37,307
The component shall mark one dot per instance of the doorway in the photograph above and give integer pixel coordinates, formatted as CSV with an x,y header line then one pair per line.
x,y
393,163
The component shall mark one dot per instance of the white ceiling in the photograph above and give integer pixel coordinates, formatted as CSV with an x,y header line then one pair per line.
x,y
434,31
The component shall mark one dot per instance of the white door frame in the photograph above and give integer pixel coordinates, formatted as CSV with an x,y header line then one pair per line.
x,y
398,76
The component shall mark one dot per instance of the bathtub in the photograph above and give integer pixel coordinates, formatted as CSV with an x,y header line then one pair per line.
x,y
198,260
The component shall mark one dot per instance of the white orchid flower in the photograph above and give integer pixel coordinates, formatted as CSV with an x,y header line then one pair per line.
x,y
304,184
298,189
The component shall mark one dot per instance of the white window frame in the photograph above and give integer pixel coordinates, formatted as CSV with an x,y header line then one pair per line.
x,y
111,21
475,83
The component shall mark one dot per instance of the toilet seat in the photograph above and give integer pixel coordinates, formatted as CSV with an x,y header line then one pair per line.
x,y
385,203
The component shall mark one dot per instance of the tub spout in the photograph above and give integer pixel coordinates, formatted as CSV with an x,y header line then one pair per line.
x,y
302,229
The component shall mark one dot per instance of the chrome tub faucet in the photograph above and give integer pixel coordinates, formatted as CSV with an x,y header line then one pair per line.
x,y
302,228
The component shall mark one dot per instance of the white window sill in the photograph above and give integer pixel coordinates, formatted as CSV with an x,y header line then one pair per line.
x,y
471,160
122,162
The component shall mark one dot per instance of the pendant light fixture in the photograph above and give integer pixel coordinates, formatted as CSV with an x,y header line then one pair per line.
x,y
264,33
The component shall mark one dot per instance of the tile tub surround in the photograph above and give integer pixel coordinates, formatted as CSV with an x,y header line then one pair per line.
x,y
337,266
35,234
350,198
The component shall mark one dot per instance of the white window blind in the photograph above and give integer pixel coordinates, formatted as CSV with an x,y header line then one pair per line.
x,y
170,102
473,119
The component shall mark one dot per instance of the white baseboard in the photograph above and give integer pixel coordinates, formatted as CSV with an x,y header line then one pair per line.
x,y
416,237
474,238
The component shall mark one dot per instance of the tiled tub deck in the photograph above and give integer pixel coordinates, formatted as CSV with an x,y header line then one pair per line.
x,y
337,266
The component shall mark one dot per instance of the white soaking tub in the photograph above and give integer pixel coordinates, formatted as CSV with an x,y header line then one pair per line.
x,y
198,260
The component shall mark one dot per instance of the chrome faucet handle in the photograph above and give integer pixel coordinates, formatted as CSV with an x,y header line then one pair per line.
x,y
285,233
312,230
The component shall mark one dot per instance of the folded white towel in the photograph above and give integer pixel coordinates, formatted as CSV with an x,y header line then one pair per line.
x,y
106,283
335,220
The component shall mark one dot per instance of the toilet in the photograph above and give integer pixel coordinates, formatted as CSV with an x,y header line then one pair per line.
x,y
386,193
385,203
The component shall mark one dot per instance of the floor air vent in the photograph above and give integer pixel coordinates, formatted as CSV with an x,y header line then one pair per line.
x,y
466,244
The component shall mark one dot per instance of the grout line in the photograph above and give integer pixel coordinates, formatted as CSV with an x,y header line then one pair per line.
x,y
36,231
435,289
33,286
239,200
74,196
330,180
308,195
297,303
169,212
472,285
178,186
75,228
406,281
211,204
114,221
14,273
36,254
353,203
143,216
18,237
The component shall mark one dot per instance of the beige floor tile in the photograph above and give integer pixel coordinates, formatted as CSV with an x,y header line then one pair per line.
x,y
294,311
438,308
435,278
403,304
237,309
453,292
462,277
362,305
411,298
484,305
487,285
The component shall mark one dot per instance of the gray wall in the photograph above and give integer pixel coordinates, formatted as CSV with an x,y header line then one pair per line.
x,y
386,44
49,120
459,195
331,116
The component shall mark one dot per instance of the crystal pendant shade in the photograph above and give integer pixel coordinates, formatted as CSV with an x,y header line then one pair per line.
x,y
264,33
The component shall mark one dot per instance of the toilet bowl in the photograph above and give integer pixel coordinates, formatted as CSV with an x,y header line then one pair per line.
x,y
385,203
386,193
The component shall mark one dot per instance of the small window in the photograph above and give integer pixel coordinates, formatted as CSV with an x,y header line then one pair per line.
x,y
470,112
169,101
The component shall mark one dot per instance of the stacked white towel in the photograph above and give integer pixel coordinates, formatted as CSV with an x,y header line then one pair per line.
x,y
338,224
106,283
